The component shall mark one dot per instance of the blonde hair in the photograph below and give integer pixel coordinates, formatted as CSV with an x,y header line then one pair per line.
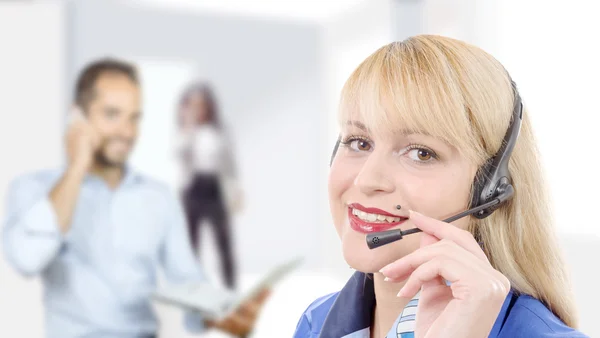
x,y
457,92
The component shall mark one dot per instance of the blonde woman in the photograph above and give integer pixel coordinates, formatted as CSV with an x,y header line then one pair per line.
x,y
418,120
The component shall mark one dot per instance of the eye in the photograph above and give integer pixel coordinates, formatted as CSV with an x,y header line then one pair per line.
x,y
357,143
360,145
111,113
421,154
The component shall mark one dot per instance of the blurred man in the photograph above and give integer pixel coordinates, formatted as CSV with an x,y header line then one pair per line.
x,y
96,231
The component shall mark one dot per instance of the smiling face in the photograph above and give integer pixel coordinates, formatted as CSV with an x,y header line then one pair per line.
x,y
417,118
115,114
372,174
407,138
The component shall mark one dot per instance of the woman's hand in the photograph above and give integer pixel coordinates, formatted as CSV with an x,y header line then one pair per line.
x,y
468,307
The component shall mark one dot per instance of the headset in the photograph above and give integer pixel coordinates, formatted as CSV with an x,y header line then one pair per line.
x,y
491,188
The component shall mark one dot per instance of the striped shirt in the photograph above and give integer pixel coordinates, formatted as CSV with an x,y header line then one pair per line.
x,y
404,327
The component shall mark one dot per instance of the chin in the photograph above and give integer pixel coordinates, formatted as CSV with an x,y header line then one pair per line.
x,y
358,255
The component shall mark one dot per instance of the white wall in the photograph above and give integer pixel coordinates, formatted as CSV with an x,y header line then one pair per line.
x,y
31,107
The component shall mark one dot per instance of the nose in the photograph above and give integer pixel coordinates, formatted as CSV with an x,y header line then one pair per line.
x,y
374,177
127,130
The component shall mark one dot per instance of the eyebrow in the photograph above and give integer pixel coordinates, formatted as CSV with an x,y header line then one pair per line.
x,y
358,125
404,131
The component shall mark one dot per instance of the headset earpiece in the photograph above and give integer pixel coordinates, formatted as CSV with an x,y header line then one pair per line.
x,y
481,178
335,149
493,178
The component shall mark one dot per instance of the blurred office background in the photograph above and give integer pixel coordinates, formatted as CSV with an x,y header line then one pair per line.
x,y
277,67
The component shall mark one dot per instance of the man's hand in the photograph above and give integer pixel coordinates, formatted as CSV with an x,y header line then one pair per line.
x,y
241,322
81,142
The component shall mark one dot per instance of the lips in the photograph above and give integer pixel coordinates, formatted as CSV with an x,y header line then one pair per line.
x,y
368,220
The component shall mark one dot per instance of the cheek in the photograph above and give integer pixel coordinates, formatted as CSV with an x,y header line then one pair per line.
x,y
101,125
135,130
440,196
340,182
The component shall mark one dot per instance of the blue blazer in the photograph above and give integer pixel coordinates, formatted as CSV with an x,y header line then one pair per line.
x,y
347,313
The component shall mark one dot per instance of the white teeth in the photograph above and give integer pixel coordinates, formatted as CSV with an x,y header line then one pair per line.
x,y
365,216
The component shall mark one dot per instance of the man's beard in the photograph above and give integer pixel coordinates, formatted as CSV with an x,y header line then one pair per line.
x,y
105,162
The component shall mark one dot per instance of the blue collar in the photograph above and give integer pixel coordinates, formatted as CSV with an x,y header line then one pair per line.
x,y
352,310
130,177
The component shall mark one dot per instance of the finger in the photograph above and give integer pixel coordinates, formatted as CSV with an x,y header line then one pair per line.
x,y
92,132
236,324
443,230
475,280
429,275
209,323
75,115
402,268
426,239
249,310
95,136
263,296
435,282
253,307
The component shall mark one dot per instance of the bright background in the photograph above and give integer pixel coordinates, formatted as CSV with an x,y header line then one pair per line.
x,y
278,67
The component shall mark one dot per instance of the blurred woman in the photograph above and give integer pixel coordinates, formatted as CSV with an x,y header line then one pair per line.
x,y
210,190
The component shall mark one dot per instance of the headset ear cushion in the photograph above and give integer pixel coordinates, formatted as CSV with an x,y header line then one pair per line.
x,y
481,180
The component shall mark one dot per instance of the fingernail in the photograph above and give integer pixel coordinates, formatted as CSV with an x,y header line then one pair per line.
x,y
387,279
401,293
